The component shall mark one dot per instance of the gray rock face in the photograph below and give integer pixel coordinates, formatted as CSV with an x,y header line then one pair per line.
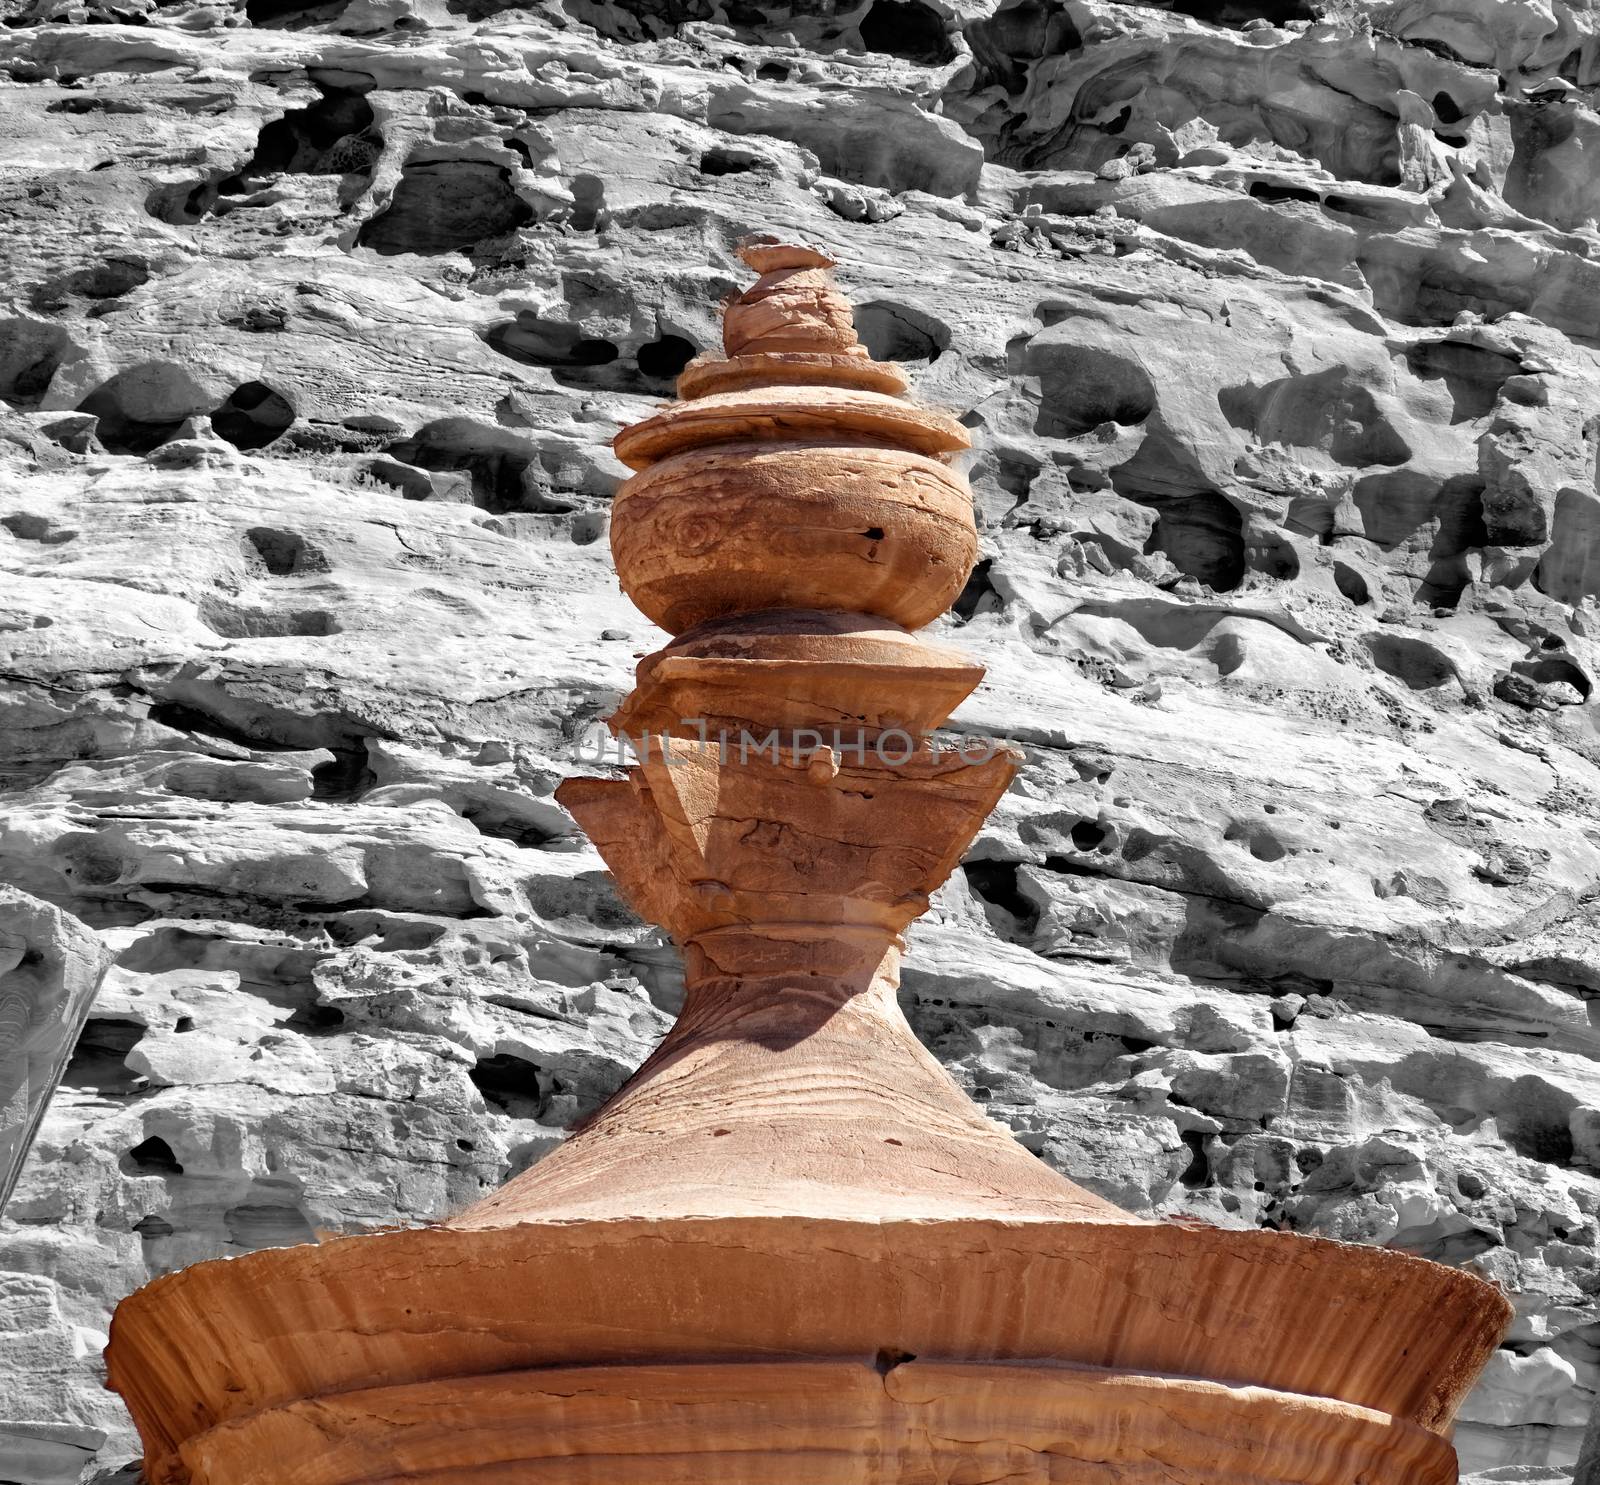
x,y
1277,336
50,967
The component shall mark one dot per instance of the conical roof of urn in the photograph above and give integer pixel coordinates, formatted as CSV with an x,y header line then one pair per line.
x,y
794,306
793,327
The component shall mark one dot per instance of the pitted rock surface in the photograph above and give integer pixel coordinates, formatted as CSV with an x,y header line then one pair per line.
x,y
1274,331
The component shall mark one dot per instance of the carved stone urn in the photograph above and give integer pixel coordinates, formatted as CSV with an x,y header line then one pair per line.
x,y
789,1251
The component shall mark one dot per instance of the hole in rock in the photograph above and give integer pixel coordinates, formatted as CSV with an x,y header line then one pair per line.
x,y
587,528
1201,535
631,22
1327,411
526,834
1261,843
292,15
513,1085
1415,663
182,718
1472,375
27,527
588,201
500,474
994,884
236,621
410,483
725,160
1350,583
142,407
184,1023
282,553
483,10
1535,1120
153,1157
346,777
1021,32
1087,836
88,865
979,596
183,204
383,934
550,343
1272,555
316,1020
333,136
1198,1172
252,416
1555,670
663,359
907,29
663,216
1392,514
890,1357
1363,209
896,332
772,72
1239,405
1086,387
152,1227
31,352
109,280
88,105
1237,12
1015,475
1272,192
446,206
98,1062
267,1226
1471,1185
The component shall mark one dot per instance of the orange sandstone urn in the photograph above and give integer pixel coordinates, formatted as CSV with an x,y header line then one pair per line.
x,y
790,1251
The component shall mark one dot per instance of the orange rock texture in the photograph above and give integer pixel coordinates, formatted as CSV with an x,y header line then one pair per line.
x,y
790,1249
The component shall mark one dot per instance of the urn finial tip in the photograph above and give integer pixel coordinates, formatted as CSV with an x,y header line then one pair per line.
x,y
767,253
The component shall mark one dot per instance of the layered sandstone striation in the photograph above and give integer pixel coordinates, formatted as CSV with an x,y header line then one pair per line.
x,y
1274,340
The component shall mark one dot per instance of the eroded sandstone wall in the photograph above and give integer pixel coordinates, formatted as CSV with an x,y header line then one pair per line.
x,y
1276,334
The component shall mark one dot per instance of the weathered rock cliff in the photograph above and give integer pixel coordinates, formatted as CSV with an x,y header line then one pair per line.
x,y
1277,335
